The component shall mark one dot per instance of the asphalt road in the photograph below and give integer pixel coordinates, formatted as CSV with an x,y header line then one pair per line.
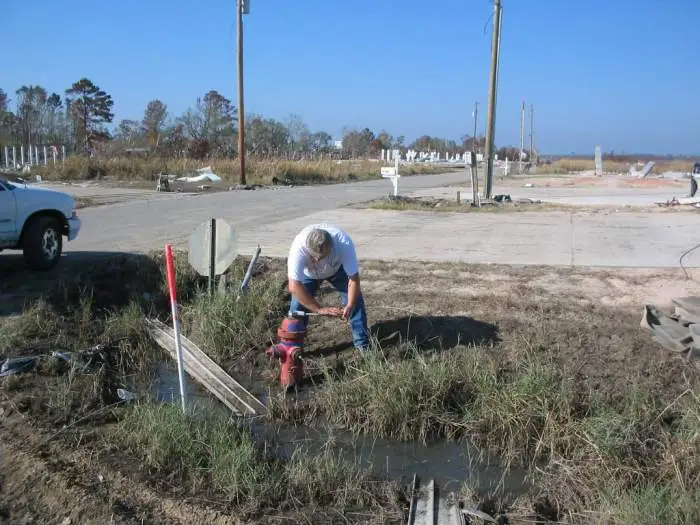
x,y
271,217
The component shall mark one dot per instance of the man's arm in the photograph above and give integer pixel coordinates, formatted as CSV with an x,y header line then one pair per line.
x,y
353,295
309,302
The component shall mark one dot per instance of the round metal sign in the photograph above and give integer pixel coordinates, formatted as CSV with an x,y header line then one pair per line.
x,y
224,247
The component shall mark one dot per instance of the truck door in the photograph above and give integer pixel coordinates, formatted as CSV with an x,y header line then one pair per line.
x,y
8,214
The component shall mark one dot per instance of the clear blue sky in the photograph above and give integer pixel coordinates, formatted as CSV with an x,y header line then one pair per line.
x,y
621,73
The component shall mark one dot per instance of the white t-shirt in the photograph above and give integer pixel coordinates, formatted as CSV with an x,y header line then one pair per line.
x,y
300,264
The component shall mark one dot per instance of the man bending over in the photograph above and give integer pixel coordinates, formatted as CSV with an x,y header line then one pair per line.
x,y
322,252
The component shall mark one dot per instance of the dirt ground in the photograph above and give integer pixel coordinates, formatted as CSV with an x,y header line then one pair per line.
x,y
590,316
51,474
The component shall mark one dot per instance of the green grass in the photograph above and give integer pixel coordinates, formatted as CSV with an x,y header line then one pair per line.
x,y
449,395
651,505
581,447
227,327
210,449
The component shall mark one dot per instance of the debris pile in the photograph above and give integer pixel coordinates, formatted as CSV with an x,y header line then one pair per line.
x,y
678,332
692,199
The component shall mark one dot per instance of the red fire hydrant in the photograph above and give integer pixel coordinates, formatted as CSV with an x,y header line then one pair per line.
x,y
291,333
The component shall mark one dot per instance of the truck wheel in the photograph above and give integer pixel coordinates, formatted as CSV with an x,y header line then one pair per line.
x,y
42,243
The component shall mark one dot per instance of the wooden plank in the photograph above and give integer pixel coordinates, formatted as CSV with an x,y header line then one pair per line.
x,y
211,375
192,368
688,307
412,503
430,508
215,377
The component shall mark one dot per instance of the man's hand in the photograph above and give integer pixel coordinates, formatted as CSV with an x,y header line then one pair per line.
x,y
330,312
347,312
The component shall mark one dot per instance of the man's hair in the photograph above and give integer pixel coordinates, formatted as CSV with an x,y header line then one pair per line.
x,y
319,243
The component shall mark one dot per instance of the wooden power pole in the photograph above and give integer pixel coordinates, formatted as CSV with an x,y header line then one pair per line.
x,y
476,110
491,110
522,136
532,134
241,5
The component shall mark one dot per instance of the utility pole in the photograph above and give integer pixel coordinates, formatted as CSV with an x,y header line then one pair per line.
x,y
522,135
532,133
493,81
476,110
241,6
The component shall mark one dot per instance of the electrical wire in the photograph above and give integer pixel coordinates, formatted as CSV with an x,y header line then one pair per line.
x,y
680,260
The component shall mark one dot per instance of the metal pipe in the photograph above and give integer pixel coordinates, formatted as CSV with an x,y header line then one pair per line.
x,y
249,271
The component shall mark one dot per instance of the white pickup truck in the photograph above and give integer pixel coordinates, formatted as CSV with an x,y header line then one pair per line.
x,y
35,220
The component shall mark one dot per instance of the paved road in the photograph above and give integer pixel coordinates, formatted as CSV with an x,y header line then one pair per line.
x,y
272,217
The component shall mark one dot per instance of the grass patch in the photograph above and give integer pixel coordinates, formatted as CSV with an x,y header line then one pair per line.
x,y
563,166
444,205
589,453
650,505
257,171
228,327
211,449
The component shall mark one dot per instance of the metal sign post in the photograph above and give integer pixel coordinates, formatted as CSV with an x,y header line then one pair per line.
x,y
212,249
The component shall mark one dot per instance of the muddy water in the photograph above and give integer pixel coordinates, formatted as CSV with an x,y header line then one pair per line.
x,y
450,464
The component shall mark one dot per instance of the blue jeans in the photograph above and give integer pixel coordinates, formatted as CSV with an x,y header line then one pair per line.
x,y
358,317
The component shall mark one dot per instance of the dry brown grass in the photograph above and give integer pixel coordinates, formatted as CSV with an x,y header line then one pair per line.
x,y
257,171
563,166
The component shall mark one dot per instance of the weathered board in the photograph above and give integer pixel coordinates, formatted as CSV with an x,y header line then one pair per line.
x,y
207,372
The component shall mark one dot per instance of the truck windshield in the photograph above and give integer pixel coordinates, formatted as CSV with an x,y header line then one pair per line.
x,y
4,185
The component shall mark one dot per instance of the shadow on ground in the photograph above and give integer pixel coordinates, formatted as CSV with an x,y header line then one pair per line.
x,y
435,332
111,277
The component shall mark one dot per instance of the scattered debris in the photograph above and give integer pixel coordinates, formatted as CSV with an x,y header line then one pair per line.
x,y
204,174
691,199
646,170
17,365
125,395
679,332
163,182
23,364
245,187
502,198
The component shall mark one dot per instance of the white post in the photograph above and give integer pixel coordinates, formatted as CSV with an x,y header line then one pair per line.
x,y
53,153
382,154
14,157
63,150
46,159
7,157
31,154
36,155
21,153
395,180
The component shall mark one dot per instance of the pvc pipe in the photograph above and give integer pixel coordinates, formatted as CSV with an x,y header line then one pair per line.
x,y
249,271
170,267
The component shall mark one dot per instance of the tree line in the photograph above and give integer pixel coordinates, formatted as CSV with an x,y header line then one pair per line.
x,y
82,120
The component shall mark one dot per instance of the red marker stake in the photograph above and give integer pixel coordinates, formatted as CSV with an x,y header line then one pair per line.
x,y
170,267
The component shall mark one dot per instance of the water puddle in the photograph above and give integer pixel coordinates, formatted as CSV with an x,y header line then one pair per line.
x,y
450,464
